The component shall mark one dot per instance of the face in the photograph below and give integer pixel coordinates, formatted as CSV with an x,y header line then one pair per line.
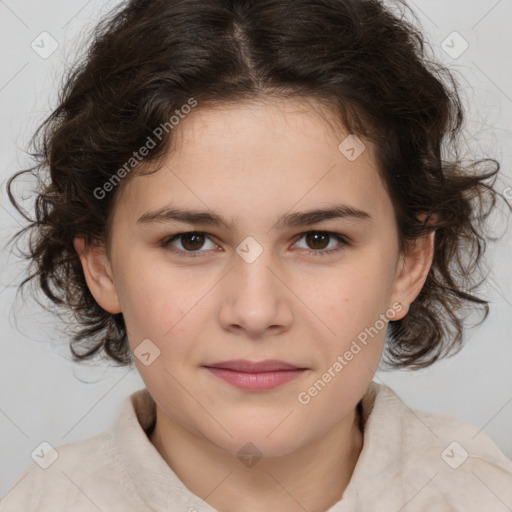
x,y
312,291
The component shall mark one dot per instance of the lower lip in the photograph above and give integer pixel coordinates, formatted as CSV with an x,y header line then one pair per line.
x,y
256,381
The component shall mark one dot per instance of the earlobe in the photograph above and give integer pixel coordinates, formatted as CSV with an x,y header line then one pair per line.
x,y
98,275
413,271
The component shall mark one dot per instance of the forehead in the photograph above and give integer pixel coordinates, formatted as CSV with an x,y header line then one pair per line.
x,y
260,157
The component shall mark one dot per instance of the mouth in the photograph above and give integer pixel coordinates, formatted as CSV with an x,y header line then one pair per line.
x,y
257,376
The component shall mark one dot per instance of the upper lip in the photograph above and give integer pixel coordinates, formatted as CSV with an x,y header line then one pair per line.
x,y
243,365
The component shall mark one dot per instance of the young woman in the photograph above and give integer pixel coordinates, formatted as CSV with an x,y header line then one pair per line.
x,y
251,202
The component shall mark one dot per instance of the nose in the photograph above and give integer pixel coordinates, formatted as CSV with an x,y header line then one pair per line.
x,y
255,298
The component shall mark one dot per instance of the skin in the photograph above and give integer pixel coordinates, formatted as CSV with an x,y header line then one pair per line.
x,y
252,163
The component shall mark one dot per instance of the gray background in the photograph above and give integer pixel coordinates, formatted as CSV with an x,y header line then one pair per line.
x,y
45,397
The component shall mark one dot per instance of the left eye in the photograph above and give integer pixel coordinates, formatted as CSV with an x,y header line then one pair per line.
x,y
322,238
193,241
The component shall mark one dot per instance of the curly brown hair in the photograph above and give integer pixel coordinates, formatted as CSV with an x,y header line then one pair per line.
x,y
363,60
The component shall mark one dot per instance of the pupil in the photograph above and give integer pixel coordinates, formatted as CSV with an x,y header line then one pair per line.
x,y
196,238
316,236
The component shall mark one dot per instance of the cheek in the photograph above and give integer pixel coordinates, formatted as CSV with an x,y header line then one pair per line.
x,y
350,299
155,305
349,357
172,310
352,308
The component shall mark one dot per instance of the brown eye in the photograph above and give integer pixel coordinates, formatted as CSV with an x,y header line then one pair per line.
x,y
323,243
192,241
317,239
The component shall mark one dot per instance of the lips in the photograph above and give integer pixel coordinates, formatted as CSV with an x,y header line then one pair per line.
x,y
255,376
242,365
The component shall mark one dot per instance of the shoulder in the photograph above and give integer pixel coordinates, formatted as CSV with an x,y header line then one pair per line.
x,y
82,476
78,476
434,460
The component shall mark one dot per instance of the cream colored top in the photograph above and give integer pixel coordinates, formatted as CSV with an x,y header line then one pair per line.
x,y
411,461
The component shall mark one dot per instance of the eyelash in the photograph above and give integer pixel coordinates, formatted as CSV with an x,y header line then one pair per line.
x,y
319,252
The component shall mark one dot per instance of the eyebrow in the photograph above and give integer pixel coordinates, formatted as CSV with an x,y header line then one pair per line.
x,y
295,219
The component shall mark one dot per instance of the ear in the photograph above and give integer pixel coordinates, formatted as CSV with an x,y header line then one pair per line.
x,y
412,271
98,275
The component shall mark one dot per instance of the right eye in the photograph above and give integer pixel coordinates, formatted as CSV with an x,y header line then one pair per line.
x,y
191,242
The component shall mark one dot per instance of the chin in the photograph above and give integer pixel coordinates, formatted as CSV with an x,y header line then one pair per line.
x,y
249,451
257,443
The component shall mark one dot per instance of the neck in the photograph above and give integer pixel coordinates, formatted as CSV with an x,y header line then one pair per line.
x,y
312,478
